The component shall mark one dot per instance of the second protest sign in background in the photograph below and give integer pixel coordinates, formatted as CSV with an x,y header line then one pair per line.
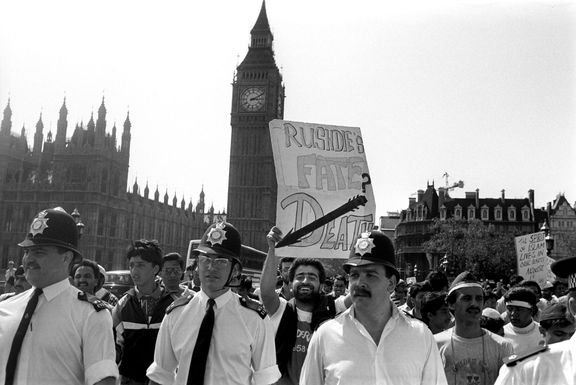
x,y
319,168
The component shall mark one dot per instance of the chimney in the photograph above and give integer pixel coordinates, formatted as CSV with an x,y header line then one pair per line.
x,y
411,201
470,195
477,198
503,196
441,192
420,195
531,197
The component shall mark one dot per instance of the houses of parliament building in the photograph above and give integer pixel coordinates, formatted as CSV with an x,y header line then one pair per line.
x,y
87,173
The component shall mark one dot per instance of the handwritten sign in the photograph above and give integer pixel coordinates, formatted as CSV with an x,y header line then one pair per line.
x,y
319,168
533,263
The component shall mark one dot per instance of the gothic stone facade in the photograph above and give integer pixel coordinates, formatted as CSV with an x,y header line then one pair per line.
x,y
87,172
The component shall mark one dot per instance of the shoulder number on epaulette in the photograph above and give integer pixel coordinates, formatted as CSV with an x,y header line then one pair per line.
x,y
515,358
179,302
253,305
96,302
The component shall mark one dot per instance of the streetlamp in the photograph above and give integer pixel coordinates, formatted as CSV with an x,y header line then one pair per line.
x,y
79,225
548,238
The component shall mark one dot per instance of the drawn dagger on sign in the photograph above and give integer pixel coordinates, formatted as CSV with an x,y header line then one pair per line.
x,y
352,204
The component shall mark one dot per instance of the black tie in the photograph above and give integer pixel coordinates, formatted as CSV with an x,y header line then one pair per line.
x,y
19,337
200,354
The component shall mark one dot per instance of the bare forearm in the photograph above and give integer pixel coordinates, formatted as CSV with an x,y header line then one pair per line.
x,y
268,279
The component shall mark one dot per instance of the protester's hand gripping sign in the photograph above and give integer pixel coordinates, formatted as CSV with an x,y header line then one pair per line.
x,y
322,176
533,263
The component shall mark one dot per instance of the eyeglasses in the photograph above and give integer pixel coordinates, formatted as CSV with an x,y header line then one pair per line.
x,y
172,270
218,263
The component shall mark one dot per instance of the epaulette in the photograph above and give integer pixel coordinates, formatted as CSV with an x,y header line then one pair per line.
x,y
95,301
251,304
411,316
179,302
515,358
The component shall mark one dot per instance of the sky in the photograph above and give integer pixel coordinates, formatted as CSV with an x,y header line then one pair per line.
x,y
484,91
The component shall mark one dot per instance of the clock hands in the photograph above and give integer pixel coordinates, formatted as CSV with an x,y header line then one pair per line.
x,y
256,97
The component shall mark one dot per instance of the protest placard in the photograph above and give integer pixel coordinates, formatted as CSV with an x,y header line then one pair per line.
x,y
533,263
319,168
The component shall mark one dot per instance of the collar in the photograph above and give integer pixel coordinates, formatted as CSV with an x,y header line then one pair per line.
x,y
525,329
156,293
221,300
351,312
52,291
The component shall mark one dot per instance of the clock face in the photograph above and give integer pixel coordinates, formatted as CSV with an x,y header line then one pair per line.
x,y
252,99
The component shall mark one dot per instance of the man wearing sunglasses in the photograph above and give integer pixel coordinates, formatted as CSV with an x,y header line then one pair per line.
x,y
215,337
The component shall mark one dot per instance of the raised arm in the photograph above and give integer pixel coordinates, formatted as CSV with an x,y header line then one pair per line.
x,y
268,280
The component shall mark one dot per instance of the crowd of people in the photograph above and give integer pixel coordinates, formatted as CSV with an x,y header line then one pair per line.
x,y
211,326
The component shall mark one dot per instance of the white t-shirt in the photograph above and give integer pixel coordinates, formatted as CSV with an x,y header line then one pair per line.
x,y
472,360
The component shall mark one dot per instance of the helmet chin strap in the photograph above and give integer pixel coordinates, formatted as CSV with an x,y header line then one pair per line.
x,y
230,277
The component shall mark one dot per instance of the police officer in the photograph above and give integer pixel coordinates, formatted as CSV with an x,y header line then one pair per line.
x,y
215,337
555,364
54,333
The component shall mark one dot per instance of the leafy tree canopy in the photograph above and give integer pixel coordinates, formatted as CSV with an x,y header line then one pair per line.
x,y
474,246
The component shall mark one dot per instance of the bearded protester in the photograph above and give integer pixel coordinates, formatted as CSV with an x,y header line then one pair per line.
x,y
296,320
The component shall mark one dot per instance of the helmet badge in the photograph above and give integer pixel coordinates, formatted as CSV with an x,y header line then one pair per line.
x,y
39,224
364,244
217,234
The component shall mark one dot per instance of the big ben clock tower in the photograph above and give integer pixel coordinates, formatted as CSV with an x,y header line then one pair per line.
x,y
257,98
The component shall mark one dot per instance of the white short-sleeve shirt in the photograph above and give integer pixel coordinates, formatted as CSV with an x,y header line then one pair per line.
x,y
241,350
342,352
67,341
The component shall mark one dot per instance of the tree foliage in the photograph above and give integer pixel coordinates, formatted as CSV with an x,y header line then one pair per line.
x,y
474,246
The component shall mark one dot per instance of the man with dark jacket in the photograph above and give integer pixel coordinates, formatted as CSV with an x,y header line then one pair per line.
x,y
139,313
295,320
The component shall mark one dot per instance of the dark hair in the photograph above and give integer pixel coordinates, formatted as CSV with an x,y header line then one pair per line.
x,y
418,287
328,282
532,284
149,251
438,280
173,257
521,293
431,303
491,324
489,294
515,280
87,263
285,260
340,277
246,282
304,261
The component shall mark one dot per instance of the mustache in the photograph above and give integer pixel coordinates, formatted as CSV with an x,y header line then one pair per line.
x,y
362,292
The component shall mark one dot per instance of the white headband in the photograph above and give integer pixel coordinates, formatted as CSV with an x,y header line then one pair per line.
x,y
463,285
519,304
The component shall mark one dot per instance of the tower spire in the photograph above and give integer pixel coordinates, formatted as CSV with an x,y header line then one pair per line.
x,y
6,125
61,127
261,34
